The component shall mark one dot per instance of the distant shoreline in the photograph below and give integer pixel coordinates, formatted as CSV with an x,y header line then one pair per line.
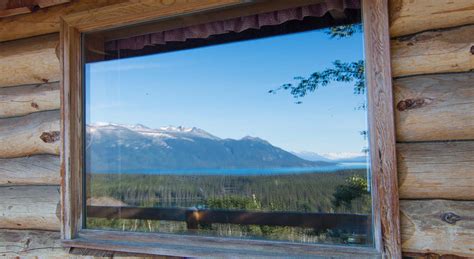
x,y
244,171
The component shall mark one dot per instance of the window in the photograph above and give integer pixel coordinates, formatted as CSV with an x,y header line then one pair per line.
x,y
216,127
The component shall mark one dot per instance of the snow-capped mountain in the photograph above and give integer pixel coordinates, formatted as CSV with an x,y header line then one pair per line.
x,y
136,147
338,157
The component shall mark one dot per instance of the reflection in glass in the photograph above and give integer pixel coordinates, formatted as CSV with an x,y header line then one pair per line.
x,y
223,140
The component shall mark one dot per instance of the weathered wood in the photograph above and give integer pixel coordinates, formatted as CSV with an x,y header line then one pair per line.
x,y
15,7
204,17
408,16
434,52
29,61
37,133
435,107
204,247
39,170
71,132
45,21
31,243
438,226
23,100
440,170
134,12
381,125
29,207
430,256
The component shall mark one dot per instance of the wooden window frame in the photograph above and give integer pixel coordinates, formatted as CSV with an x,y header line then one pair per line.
x,y
381,140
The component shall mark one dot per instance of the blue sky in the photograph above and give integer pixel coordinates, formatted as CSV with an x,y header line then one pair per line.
x,y
223,89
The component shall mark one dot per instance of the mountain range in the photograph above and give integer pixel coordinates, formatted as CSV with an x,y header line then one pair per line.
x,y
131,148
340,157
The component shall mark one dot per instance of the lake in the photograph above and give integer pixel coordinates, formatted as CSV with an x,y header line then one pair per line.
x,y
251,171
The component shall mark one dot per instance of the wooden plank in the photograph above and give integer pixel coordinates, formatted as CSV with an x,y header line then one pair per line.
x,y
435,107
379,83
381,125
71,132
134,12
434,52
408,16
440,170
45,21
29,61
31,243
204,17
15,7
14,11
23,100
205,246
438,226
39,170
37,133
29,207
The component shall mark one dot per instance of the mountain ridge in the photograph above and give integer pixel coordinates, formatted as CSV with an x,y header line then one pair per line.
x,y
116,147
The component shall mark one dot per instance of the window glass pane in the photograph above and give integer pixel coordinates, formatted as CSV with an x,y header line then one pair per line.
x,y
262,138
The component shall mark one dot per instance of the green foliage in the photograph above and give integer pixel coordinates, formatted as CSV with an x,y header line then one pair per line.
x,y
354,188
344,31
234,202
340,72
312,192
347,72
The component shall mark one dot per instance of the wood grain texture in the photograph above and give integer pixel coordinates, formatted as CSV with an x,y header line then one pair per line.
x,y
71,132
205,247
409,17
37,133
29,61
29,207
434,52
23,100
135,12
15,7
45,21
31,244
435,107
382,128
32,170
438,170
204,17
71,91
438,227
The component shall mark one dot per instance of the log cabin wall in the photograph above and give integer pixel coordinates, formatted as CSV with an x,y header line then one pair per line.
x,y
432,63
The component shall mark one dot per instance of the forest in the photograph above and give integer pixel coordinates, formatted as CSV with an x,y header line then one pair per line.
x,y
343,191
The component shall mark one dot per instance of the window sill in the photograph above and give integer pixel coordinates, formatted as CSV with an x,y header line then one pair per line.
x,y
192,246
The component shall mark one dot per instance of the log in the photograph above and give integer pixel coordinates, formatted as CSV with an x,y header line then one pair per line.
x,y
14,7
23,100
45,21
434,52
408,16
29,207
29,61
439,170
33,170
37,133
442,227
435,107
31,243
